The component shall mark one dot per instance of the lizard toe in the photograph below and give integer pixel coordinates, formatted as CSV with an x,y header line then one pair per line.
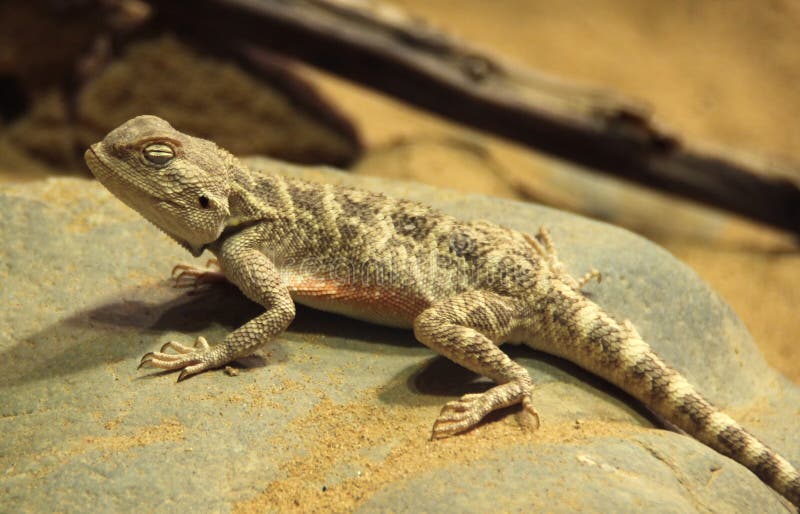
x,y
190,360
460,415
191,370
190,276
178,347
528,417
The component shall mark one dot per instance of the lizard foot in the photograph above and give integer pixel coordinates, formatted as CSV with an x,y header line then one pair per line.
x,y
543,244
460,415
592,274
188,275
191,360
466,412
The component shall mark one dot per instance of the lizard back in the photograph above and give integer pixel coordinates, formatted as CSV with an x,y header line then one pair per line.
x,y
378,258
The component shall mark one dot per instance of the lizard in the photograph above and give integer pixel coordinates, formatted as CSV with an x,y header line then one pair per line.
x,y
463,287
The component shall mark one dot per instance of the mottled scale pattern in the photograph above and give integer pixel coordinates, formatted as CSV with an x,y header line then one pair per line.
x,y
465,288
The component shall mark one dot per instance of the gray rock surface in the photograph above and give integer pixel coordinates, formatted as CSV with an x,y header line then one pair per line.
x,y
335,414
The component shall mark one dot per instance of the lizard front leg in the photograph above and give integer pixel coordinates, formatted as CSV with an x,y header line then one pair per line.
x,y
258,279
465,329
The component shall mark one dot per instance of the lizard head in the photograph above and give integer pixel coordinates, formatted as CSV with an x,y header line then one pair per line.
x,y
177,182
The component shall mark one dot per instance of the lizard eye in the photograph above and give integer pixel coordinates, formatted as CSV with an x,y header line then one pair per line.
x,y
158,153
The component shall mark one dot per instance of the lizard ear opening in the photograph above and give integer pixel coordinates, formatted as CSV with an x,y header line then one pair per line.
x,y
204,202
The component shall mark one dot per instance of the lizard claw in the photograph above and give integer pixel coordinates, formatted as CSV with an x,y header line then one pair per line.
x,y
190,360
146,358
528,417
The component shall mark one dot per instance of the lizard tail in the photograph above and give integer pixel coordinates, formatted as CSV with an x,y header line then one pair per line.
x,y
671,396
616,352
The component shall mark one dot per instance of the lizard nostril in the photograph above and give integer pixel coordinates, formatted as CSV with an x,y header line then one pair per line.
x,y
204,202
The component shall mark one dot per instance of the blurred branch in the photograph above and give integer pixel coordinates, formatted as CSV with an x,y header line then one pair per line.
x,y
381,47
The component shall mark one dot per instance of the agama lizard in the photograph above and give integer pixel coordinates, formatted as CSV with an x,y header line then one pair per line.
x,y
463,287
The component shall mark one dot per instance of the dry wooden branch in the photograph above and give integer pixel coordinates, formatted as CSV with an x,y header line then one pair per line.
x,y
383,48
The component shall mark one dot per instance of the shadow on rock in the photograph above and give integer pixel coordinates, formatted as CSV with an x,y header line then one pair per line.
x,y
125,329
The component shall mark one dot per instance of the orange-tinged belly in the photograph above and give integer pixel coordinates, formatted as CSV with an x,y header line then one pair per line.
x,y
375,303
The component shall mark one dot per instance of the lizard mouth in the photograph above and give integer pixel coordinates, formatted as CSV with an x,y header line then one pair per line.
x,y
93,160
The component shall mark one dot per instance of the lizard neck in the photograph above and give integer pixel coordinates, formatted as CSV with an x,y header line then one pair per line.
x,y
246,206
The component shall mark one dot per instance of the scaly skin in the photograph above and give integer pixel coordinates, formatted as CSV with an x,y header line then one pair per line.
x,y
463,287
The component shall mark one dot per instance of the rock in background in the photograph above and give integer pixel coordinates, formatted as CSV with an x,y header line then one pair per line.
x,y
65,84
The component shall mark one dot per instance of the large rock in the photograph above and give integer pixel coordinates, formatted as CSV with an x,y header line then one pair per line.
x,y
336,414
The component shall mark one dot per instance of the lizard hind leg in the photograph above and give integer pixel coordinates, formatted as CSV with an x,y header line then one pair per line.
x,y
191,276
464,329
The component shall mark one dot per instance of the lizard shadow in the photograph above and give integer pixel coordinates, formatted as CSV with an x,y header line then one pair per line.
x,y
441,379
123,330
437,379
